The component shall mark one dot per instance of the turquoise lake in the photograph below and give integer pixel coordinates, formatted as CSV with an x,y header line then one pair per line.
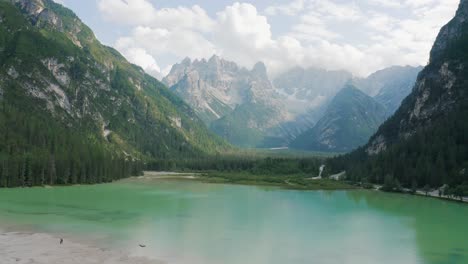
x,y
187,222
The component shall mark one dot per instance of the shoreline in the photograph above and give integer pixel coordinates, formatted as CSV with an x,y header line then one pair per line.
x,y
290,182
214,178
442,198
421,193
224,178
29,247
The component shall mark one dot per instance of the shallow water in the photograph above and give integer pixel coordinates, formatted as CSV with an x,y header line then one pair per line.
x,y
189,222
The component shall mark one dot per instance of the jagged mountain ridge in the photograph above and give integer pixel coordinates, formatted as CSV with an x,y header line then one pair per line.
x,y
246,109
389,86
438,88
229,98
350,119
306,93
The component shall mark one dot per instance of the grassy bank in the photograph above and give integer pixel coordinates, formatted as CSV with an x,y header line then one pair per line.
x,y
296,182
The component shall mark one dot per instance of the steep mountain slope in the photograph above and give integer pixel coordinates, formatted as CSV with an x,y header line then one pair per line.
x,y
213,88
350,119
389,86
307,93
237,104
73,110
243,107
426,141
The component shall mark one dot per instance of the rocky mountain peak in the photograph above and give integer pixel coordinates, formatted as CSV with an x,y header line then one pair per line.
x,y
215,59
218,65
350,119
225,95
187,61
39,14
451,32
439,90
349,87
260,70
31,7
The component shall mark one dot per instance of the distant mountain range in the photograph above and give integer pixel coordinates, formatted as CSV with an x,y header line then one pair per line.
x,y
349,121
238,104
247,109
389,86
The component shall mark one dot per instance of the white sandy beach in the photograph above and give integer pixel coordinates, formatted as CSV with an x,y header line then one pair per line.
x,y
38,248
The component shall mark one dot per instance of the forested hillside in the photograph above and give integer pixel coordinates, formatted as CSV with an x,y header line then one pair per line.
x,y
350,119
73,110
426,141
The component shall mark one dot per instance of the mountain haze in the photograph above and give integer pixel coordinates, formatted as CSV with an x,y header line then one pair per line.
x,y
350,119
248,110
389,86
239,105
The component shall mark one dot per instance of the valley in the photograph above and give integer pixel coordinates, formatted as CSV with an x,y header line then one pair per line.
x,y
249,110
169,145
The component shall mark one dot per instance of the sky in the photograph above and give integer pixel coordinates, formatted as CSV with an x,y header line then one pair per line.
x,y
360,36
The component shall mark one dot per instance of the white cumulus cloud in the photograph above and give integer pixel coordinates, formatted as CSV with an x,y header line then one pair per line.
x,y
360,37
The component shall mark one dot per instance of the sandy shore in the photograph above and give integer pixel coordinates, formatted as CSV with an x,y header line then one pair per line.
x,y
37,248
152,175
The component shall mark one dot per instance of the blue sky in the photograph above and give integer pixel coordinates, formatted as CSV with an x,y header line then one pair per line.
x,y
359,36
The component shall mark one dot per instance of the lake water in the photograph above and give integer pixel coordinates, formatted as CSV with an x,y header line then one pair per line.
x,y
195,223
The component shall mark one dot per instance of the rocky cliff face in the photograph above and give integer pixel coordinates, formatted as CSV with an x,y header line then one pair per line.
x,y
38,13
440,87
52,58
228,97
31,7
225,95
453,32
425,142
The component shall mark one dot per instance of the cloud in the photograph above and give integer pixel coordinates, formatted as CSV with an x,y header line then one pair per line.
x,y
242,33
142,58
289,9
145,44
143,13
158,41
135,12
387,3
313,28
327,9
360,37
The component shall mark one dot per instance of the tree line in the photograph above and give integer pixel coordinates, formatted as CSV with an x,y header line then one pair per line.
x,y
435,155
36,150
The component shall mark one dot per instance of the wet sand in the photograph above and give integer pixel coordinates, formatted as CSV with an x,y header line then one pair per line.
x,y
40,248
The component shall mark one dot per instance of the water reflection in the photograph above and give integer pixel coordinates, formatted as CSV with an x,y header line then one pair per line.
x,y
440,226
187,222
